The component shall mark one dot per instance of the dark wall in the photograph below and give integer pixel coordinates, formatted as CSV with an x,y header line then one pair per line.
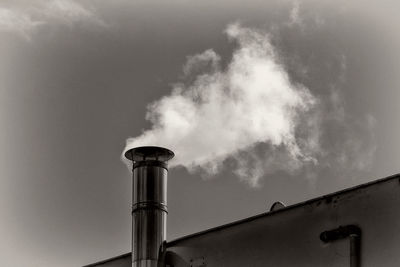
x,y
290,237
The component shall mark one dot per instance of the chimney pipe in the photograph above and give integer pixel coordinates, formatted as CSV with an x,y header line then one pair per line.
x,y
149,204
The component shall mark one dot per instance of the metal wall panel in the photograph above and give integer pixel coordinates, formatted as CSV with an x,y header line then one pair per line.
x,y
290,236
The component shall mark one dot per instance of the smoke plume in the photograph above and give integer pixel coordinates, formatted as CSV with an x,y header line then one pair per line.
x,y
225,112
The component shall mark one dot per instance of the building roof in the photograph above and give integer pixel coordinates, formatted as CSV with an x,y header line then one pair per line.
x,y
326,198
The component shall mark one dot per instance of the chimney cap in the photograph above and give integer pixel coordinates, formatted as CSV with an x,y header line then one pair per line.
x,y
149,153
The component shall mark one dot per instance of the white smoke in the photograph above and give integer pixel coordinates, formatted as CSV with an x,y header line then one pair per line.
x,y
225,112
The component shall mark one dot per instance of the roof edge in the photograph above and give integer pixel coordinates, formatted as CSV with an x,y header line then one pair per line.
x,y
265,214
107,260
270,213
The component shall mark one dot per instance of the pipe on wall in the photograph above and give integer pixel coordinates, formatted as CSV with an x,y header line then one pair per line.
x,y
352,232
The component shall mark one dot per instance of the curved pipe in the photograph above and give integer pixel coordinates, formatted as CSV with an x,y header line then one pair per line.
x,y
352,232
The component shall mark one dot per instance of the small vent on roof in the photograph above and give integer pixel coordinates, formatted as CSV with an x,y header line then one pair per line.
x,y
198,262
277,206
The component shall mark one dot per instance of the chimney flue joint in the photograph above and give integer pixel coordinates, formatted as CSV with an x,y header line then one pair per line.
x,y
149,204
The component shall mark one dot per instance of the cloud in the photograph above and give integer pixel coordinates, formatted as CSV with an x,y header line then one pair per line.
x,y
224,113
302,17
17,22
70,12
348,143
294,16
24,20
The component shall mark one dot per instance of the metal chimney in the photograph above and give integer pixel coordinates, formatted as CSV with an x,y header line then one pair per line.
x,y
149,204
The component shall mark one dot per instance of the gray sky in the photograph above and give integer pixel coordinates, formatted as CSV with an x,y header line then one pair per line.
x,y
76,78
